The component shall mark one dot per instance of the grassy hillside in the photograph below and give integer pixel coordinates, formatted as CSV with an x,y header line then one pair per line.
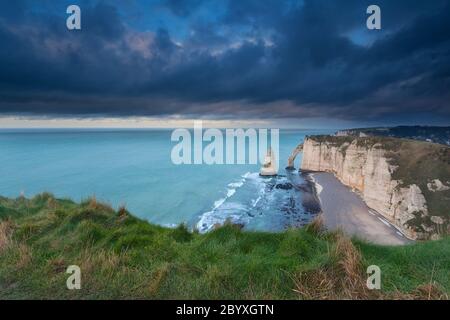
x,y
123,257
425,133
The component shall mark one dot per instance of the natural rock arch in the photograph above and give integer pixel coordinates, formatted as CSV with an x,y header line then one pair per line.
x,y
293,155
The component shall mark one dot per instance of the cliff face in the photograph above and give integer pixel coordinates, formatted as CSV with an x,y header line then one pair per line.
x,y
367,167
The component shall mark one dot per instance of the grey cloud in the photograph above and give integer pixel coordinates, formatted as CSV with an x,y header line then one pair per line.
x,y
311,66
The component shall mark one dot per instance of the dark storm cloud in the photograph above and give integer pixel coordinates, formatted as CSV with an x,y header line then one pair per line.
x,y
256,59
182,7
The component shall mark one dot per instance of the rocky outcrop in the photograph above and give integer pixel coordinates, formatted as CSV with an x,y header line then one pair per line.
x,y
366,167
293,155
269,168
437,185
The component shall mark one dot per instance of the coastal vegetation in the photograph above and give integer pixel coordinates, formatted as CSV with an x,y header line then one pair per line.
x,y
421,163
425,133
123,257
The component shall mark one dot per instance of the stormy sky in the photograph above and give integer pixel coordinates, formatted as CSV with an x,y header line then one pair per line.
x,y
227,59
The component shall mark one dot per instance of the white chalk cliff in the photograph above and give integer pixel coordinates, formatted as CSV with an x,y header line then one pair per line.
x,y
367,170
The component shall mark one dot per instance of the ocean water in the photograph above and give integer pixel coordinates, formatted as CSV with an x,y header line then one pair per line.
x,y
134,168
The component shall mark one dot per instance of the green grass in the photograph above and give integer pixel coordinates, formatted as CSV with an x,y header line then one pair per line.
x,y
122,257
407,267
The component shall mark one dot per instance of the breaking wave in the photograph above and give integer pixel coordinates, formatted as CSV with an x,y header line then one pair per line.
x,y
211,218
257,202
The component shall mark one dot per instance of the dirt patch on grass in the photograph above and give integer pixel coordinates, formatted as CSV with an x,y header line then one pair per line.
x,y
341,278
6,229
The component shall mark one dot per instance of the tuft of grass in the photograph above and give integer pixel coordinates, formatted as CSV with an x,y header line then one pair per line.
x,y
316,227
5,234
340,277
123,257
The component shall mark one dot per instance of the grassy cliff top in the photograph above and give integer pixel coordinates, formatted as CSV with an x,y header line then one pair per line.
x,y
121,256
417,162
388,143
426,133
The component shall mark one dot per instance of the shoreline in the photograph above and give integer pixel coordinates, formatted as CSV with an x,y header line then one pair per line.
x,y
341,208
315,188
309,199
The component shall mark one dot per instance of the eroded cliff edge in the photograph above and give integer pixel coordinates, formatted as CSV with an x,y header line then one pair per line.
x,y
407,181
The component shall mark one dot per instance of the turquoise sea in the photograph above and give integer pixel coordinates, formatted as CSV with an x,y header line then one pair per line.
x,y
134,168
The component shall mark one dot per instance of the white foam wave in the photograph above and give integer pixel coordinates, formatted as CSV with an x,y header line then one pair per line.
x,y
246,175
230,192
206,222
213,217
319,188
253,175
218,203
256,201
236,184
